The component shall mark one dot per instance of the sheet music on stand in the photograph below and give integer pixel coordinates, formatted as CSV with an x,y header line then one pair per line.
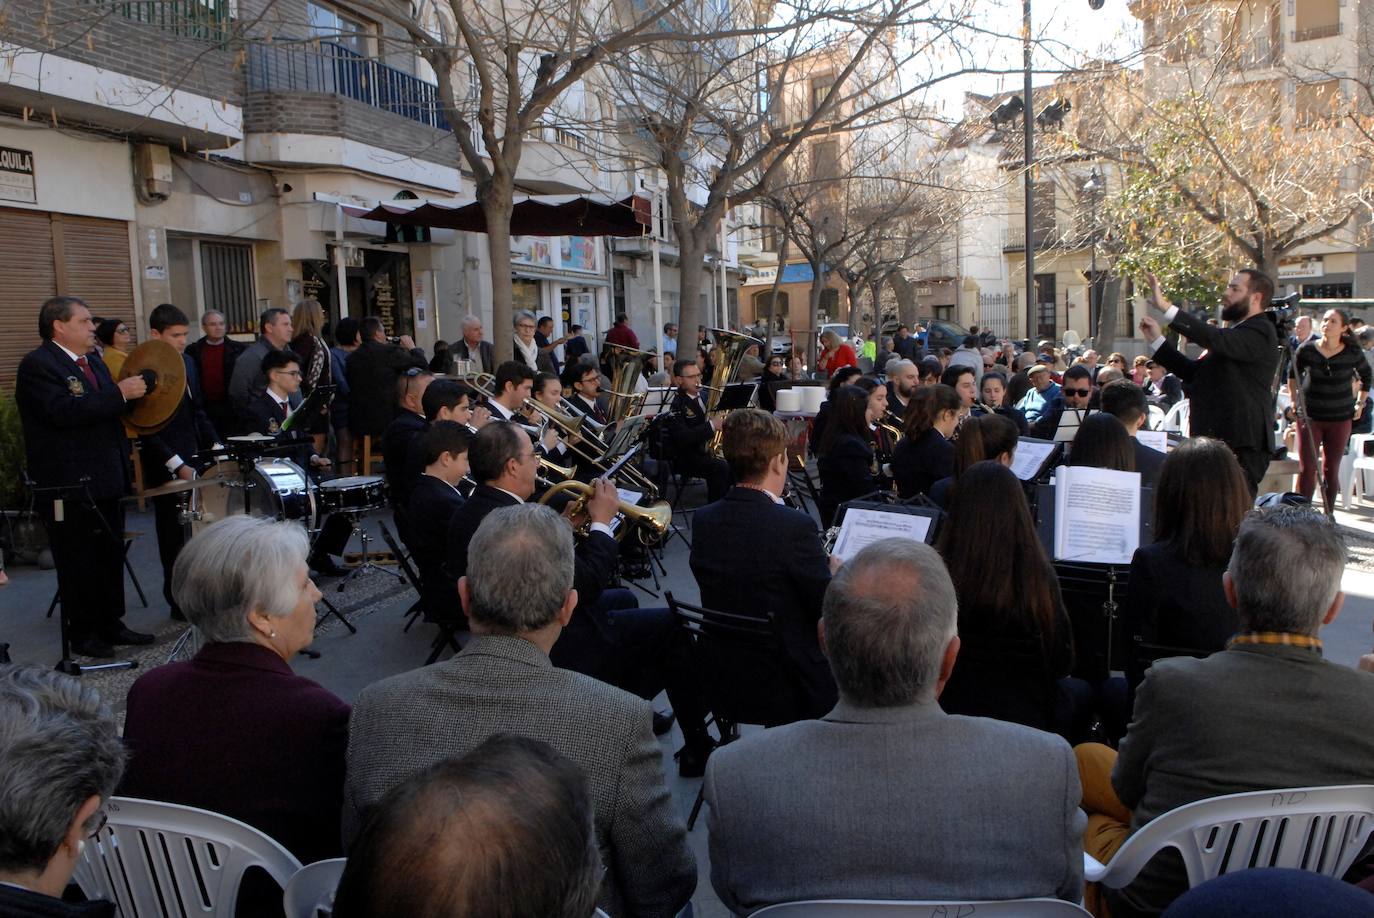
x,y
626,435
865,523
1068,423
658,399
737,395
1096,515
1157,440
1033,458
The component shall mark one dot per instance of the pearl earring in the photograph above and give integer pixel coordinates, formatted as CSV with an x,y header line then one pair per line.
x,y
272,634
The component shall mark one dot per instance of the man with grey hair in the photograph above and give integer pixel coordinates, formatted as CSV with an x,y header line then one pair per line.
x,y
60,760
479,354
887,796
1266,712
215,355
503,682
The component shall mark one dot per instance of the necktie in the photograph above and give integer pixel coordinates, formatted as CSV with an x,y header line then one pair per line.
x,y
85,366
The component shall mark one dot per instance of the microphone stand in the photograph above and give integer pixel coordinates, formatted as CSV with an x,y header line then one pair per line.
x,y
67,664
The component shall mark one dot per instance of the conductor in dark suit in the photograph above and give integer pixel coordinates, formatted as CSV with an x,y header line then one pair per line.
x,y
168,454
788,579
71,409
690,431
372,372
1230,393
433,502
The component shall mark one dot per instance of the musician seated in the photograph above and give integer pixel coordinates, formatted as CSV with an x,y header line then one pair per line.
x,y
510,387
841,377
1126,402
902,380
689,432
433,501
583,381
446,400
401,436
930,369
926,454
987,437
847,463
1103,443
548,391
993,390
788,579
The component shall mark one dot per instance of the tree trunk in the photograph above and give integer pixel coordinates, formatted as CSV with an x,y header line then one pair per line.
x,y
814,313
1104,342
906,299
777,282
497,206
875,290
691,256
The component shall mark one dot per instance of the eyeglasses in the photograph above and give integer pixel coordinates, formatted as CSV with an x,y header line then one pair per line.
x,y
1081,393
289,372
525,326
101,822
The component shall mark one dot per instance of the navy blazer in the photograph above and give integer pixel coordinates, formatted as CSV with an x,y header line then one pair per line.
x,y
687,426
265,417
1148,462
788,579
187,433
432,505
235,731
846,472
1174,603
1229,386
919,462
402,438
71,430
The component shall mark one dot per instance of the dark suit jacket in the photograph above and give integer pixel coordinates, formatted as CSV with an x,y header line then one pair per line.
x,y
401,440
846,472
23,903
918,463
372,371
506,685
1253,717
687,427
235,731
187,433
459,350
261,414
1176,604
789,579
72,431
431,508
1229,398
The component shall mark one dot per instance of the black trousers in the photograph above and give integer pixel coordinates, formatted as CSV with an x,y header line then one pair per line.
x,y
88,551
1254,463
171,536
715,472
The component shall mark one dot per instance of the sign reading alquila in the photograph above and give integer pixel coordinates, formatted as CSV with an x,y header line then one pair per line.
x,y
16,176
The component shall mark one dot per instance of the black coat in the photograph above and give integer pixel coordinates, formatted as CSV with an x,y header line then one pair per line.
x,y
372,371
846,472
22,903
432,505
917,463
1229,386
1148,462
459,350
789,580
72,431
401,441
187,433
1167,393
688,429
265,416
1174,603
232,349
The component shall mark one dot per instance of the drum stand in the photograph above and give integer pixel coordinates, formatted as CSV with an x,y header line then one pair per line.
x,y
365,566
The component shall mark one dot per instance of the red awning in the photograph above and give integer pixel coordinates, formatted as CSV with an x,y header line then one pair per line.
x,y
545,215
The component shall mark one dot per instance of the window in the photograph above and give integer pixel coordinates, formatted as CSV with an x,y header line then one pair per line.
x,y
1313,19
825,161
1318,103
820,89
330,23
226,270
1042,212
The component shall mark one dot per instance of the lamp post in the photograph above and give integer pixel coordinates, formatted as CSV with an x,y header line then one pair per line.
x,y
1028,129
1093,186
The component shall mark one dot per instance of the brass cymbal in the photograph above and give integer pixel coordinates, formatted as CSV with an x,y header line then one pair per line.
x,y
151,413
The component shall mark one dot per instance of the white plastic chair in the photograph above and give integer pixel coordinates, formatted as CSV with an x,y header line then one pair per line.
x,y
1156,418
1176,420
311,889
863,908
1354,453
154,859
1321,829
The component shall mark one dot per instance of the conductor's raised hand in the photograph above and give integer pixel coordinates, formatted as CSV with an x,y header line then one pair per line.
x,y
1149,328
133,387
1156,298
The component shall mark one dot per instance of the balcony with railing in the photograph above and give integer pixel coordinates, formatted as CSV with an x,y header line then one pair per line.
x,y
327,67
1044,237
206,20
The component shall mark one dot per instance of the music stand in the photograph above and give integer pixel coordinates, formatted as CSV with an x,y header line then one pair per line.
x,y
658,400
319,399
736,395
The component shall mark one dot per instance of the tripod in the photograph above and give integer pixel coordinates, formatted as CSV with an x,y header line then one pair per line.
x,y
365,566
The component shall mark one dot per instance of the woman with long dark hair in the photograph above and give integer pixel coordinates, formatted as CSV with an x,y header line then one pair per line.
x,y
843,377
775,371
1102,442
926,454
1015,639
981,438
1327,367
992,396
307,324
1176,598
846,452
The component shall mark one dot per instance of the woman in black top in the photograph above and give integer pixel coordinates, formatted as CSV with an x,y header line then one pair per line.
x,y
843,377
981,437
926,454
846,452
1175,603
1015,640
776,371
1327,367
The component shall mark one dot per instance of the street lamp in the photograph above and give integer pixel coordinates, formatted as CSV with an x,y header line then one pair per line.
x,y
1093,186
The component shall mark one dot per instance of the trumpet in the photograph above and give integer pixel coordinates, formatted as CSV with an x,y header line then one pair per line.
x,y
650,523
563,471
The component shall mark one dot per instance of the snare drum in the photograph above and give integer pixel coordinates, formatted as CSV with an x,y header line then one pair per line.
x,y
277,489
356,494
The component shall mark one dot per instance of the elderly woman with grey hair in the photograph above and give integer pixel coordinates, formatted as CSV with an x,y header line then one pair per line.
x,y
60,759
234,730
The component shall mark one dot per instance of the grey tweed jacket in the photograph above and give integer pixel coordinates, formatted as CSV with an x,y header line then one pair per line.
x,y
894,803
507,685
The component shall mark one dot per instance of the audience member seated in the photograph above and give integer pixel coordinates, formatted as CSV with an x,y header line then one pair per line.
x,y
788,580
505,830
926,454
1042,398
1175,599
234,730
1162,388
1274,892
888,797
847,465
401,437
1125,401
1268,712
1103,443
981,438
503,682
433,501
1016,644
60,759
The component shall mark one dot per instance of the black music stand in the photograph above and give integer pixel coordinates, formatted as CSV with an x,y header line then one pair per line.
x,y
736,395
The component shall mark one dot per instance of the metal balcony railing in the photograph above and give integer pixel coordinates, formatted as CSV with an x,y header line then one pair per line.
x,y
207,20
1044,237
325,66
1325,31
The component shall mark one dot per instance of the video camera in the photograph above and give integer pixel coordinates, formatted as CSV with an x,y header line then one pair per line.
x,y
1283,312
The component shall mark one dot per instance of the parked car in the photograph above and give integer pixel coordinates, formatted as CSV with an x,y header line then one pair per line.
x,y
943,333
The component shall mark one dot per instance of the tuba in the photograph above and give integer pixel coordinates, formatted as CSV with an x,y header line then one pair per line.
x,y
650,523
728,355
628,366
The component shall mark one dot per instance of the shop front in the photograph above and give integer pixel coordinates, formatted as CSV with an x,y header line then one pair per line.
x,y
378,283
563,277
